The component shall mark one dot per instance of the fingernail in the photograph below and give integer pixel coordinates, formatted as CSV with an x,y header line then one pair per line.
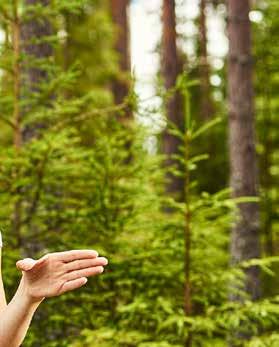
x,y
105,261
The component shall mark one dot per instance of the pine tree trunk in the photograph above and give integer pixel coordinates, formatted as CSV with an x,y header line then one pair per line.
x,y
38,29
171,68
120,85
176,186
206,102
35,48
245,243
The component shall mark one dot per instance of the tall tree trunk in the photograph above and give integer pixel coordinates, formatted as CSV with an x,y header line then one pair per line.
x,y
206,102
178,187
37,52
171,67
38,29
120,85
245,243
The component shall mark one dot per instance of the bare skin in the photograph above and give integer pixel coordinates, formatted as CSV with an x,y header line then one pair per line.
x,y
3,302
51,275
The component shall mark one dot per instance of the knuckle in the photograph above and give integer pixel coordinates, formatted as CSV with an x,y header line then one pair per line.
x,y
46,257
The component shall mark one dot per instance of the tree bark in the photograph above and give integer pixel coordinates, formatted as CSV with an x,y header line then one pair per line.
x,y
121,84
245,243
206,102
178,187
38,29
171,68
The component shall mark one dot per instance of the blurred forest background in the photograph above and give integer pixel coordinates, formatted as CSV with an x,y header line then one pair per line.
x,y
177,188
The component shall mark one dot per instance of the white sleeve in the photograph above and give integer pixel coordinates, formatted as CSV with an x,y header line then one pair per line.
x,y
1,243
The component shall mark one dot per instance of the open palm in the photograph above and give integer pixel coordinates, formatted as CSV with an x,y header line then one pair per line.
x,y
57,273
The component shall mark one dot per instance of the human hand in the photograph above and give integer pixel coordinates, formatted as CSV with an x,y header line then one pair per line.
x,y
57,273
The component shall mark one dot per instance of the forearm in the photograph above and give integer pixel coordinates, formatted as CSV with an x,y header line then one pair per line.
x,y
3,302
15,319
51,275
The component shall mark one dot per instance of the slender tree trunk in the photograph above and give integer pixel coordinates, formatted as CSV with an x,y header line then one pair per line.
x,y
39,29
187,240
245,243
206,102
36,50
121,83
171,67
17,84
176,186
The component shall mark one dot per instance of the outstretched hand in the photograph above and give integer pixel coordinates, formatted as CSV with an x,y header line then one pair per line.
x,y
57,273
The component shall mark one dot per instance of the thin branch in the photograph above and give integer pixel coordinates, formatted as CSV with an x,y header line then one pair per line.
x,y
7,121
90,114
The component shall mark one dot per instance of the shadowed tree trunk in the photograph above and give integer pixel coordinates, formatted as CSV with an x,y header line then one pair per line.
x,y
121,83
245,243
175,186
37,53
120,87
171,68
39,29
206,102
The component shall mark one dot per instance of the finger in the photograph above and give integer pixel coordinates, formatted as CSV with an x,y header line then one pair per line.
x,y
72,285
86,263
92,271
25,264
76,255
29,264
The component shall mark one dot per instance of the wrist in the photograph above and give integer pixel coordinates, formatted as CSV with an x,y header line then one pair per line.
x,y
26,295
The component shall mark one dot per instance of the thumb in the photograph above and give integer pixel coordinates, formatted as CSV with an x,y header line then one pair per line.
x,y
26,264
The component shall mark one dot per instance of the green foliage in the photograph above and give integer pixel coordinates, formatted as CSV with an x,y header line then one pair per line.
x,y
149,307
83,179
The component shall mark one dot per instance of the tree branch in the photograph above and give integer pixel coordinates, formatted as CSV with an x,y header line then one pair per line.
x,y
7,121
